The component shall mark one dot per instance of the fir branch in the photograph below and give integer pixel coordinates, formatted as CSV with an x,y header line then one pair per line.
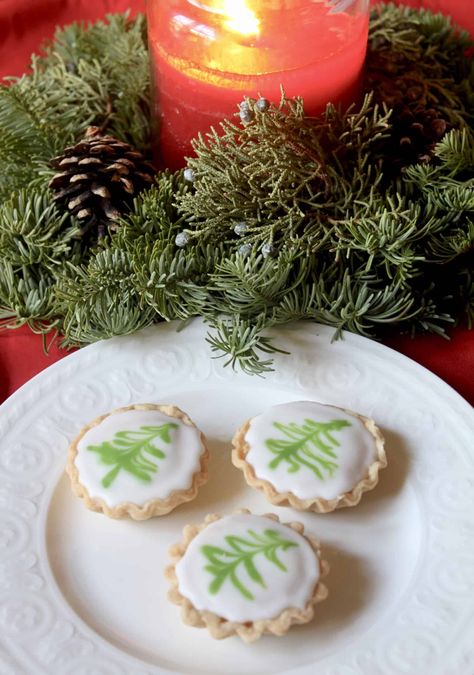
x,y
113,55
173,283
275,174
99,299
385,234
361,304
35,241
428,52
25,144
154,210
448,190
33,231
251,285
465,282
242,343
27,296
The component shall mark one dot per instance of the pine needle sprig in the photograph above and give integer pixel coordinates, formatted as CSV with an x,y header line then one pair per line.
x,y
35,241
241,343
173,284
27,297
279,159
423,56
251,285
33,231
99,299
110,55
361,305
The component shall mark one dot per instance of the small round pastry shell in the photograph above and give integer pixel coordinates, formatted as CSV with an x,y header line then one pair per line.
x,y
316,504
152,507
249,631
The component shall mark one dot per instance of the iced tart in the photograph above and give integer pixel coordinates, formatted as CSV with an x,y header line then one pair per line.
x,y
310,456
138,462
246,575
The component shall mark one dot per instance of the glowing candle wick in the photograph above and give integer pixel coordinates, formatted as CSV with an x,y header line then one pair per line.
x,y
240,18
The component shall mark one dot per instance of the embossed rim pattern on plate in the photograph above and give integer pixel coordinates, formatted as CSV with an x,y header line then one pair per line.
x,y
432,632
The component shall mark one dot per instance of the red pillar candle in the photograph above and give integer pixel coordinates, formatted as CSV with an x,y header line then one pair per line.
x,y
208,54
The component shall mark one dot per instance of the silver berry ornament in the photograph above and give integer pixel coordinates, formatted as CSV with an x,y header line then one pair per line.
x,y
245,249
182,239
267,250
189,175
241,228
246,114
262,105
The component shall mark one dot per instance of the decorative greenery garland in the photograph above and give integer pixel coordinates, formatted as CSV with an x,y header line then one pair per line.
x,y
360,219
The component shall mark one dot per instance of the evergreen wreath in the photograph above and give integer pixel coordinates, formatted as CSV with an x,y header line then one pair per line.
x,y
360,219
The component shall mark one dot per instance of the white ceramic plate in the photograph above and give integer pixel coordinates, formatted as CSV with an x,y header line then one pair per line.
x,y
84,595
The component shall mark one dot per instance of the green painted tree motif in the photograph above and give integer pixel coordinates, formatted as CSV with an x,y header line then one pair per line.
x,y
128,449
310,445
225,563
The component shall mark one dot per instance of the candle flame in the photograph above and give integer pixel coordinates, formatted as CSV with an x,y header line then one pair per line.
x,y
240,18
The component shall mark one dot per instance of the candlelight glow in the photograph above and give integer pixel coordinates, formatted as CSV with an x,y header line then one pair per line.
x,y
240,18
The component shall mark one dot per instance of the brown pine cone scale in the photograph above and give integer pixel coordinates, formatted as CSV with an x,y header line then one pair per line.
x,y
97,180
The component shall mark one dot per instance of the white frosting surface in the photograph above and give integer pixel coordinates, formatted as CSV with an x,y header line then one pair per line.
x,y
353,450
175,471
292,586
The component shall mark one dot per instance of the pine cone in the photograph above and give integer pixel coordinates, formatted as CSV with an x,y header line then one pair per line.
x,y
416,127
394,80
98,180
415,134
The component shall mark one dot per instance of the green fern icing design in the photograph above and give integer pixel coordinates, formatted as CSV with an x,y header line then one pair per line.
x,y
129,449
309,445
230,563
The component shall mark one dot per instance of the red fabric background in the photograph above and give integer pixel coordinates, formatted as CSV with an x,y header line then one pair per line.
x,y
24,24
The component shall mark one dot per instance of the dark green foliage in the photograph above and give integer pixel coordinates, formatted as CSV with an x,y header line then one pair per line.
x,y
35,240
99,299
417,66
111,60
418,58
343,226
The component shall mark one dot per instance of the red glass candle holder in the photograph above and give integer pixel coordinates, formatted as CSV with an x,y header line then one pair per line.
x,y
208,54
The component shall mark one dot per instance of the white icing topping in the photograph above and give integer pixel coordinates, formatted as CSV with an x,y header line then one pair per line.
x,y
289,583
173,472
350,449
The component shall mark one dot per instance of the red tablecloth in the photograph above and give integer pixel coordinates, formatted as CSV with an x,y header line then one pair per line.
x,y
24,24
